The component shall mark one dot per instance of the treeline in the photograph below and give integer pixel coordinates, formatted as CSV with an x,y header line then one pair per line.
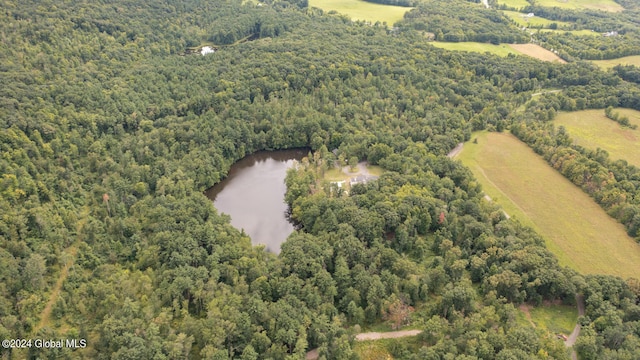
x,y
459,20
406,3
108,137
629,73
615,116
623,27
610,327
613,184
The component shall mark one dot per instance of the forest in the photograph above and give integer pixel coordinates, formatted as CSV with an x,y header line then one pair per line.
x,y
111,131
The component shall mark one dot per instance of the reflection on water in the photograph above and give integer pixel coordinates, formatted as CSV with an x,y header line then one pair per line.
x,y
253,195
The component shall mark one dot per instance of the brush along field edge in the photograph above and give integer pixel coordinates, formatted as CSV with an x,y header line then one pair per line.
x,y
574,227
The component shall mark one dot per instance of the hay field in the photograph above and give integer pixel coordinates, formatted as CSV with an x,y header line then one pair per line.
x,y
518,4
627,60
592,129
605,5
574,227
500,50
534,21
362,10
537,52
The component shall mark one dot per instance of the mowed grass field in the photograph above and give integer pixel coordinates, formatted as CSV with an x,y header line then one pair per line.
x,y
592,129
521,20
605,5
500,50
574,227
537,52
518,4
627,60
583,32
362,10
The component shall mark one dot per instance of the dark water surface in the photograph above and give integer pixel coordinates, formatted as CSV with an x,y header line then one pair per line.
x,y
253,195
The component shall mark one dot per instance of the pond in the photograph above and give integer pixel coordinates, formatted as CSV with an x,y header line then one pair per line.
x,y
253,195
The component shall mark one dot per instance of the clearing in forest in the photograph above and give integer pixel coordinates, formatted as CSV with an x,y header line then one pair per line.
x,y
533,21
500,50
555,318
627,60
537,52
517,4
604,5
363,10
574,227
592,129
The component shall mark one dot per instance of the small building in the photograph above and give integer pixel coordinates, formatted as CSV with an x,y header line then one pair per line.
x,y
611,33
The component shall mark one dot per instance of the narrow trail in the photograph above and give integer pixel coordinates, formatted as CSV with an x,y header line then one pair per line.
x,y
455,151
72,250
571,340
314,354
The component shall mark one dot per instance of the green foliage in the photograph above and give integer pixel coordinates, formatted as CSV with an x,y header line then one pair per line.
x,y
457,21
110,131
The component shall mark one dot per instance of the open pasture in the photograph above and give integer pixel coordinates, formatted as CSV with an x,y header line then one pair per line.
x,y
537,52
362,10
517,4
500,50
604,5
574,227
592,129
627,60
535,21
583,32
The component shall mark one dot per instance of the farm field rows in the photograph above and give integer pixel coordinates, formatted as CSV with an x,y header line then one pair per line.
x,y
627,60
575,228
592,129
362,10
537,52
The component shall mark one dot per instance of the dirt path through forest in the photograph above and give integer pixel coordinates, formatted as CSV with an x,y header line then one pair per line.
x,y
313,354
72,250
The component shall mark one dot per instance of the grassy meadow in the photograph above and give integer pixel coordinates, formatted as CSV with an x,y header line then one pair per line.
x,y
518,4
554,318
500,50
574,227
362,10
583,32
627,60
605,5
592,129
535,21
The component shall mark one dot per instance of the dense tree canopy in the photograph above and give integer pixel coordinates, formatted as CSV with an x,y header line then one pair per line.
x,y
110,130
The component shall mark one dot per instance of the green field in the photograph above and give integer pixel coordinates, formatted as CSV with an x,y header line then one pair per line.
x,y
362,10
535,21
627,60
605,5
557,319
574,227
500,50
573,32
592,129
518,4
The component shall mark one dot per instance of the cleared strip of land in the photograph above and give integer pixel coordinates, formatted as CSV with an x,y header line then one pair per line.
x,y
605,5
627,60
537,52
362,10
575,228
592,129
500,50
